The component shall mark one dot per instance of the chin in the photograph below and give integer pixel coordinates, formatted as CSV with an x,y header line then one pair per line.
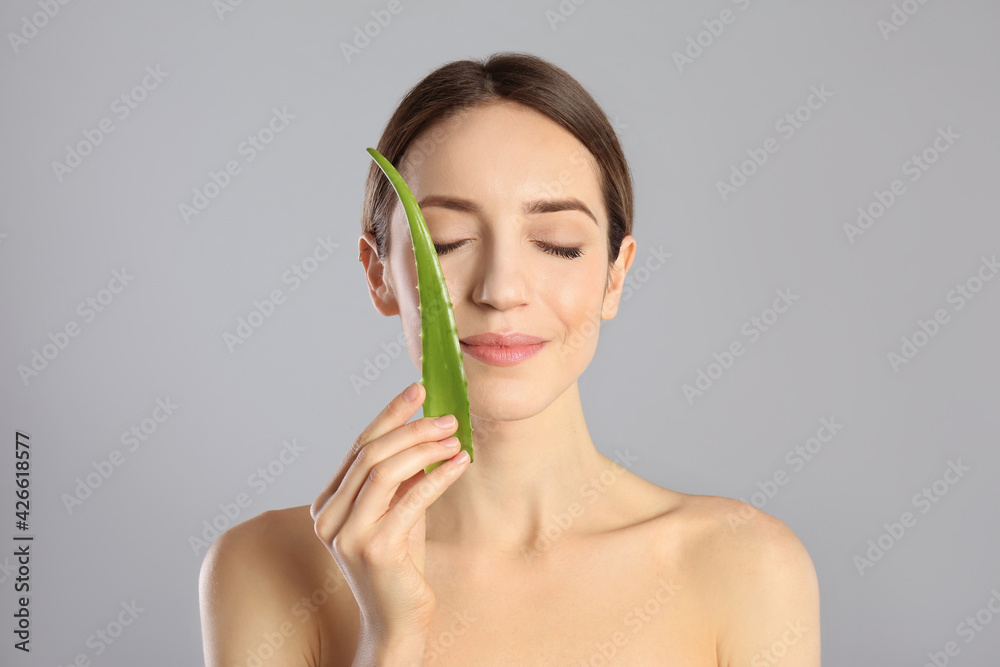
x,y
511,399
500,400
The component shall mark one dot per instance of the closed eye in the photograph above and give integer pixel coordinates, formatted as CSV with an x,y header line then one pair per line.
x,y
559,251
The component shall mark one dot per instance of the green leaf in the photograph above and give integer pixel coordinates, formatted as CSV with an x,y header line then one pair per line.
x,y
442,364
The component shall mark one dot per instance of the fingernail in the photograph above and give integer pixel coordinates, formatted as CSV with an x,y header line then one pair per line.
x,y
450,442
444,421
411,392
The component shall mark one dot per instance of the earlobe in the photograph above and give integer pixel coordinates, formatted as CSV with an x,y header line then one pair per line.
x,y
616,278
612,294
380,287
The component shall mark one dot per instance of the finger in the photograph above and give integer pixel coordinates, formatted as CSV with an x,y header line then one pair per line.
x,y
338,508
417,432
404,487
345,502
392,416
385,478
404,515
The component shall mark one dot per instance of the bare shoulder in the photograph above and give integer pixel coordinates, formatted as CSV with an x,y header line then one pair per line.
x,y
250,582
763,583
280,540
716,522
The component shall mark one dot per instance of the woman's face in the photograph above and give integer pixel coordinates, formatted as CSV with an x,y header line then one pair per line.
x,y
486,181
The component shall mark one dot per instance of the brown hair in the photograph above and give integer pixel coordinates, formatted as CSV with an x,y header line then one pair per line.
x,y
506,76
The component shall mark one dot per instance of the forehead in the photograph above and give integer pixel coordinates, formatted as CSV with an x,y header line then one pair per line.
x,y
500,155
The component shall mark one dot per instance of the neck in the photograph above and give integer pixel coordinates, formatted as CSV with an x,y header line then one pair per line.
x,y
528,484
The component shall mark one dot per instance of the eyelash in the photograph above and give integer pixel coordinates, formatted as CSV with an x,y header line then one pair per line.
x,y
558,251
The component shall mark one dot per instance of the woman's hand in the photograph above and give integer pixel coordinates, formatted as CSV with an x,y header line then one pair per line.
x,y
371,516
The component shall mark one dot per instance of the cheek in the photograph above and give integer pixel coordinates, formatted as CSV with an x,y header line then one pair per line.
x,y
404,282
578,302
404,276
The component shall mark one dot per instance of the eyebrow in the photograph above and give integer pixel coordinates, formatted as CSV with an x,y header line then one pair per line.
x,y
529,208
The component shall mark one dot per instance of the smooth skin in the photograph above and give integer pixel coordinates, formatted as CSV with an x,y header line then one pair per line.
x,y
544,551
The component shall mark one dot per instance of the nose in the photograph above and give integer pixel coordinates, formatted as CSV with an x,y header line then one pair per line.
x,y
501,279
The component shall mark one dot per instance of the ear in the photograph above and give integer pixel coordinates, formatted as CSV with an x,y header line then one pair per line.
x,y
377,273
616,278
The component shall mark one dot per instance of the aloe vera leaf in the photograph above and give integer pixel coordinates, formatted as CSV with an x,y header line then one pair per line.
x,y
442,364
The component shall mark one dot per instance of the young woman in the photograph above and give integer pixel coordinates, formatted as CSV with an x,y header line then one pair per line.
x,y
543,551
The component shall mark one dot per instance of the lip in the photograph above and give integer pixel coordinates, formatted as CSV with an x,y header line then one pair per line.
x,y
498,339
502,349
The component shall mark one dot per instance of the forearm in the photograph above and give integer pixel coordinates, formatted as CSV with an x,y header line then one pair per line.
x,y
378,650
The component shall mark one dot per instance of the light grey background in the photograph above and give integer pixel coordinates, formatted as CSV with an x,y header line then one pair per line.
x,y
683,128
